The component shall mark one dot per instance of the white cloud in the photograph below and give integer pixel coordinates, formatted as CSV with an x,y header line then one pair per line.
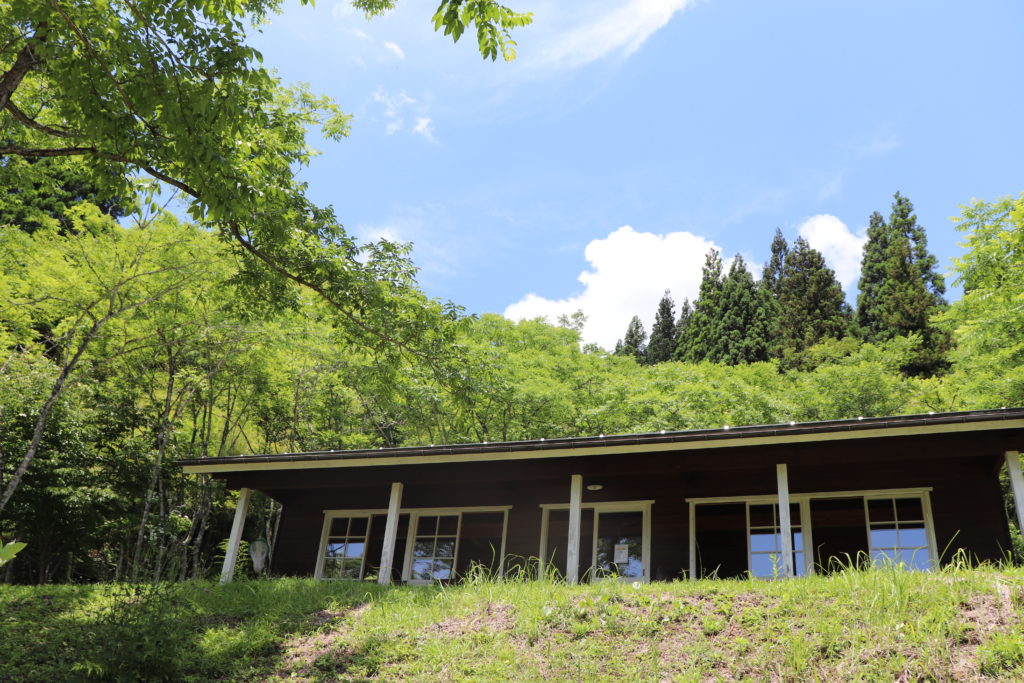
x,y
425,127
841,247
397,106
629,271
341,10
394,48
621,29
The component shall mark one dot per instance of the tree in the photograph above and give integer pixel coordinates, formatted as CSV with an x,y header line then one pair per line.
x,y
632,344
700,339
744,326
173,91
682,331
988,321
772,274
663,334
36,192
900,287
811,304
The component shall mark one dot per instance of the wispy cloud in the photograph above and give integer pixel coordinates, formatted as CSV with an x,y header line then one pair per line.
x,y
397,106
622,30
395,49
425,127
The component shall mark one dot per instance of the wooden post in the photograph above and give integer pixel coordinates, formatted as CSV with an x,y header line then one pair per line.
x,y
785,525
387,555
1016,485
572,556
235,540
693,541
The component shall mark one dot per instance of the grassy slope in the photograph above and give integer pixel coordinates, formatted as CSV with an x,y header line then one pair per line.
x,y
958,624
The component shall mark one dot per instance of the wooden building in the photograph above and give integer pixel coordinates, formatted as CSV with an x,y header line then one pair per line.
x,y
774,500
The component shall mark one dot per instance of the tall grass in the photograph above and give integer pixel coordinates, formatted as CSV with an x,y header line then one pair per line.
x,y
857,623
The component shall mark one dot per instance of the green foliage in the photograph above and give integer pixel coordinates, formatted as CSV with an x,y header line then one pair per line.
x,y
9,550
988,322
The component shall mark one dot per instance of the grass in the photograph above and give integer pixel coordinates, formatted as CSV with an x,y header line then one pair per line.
x,y
879,624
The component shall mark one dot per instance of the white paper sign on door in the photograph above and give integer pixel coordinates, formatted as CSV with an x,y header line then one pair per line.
x,y
621,553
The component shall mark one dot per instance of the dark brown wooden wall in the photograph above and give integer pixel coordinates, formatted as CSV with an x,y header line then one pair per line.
x,y
961,468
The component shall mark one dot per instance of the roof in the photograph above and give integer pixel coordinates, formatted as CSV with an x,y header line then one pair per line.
x,y
694,439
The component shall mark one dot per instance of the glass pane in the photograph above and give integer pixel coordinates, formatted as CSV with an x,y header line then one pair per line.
x,y
350,569
358,527
442,570
445,548
355,550
914,537
339,526
909,509
794,514
332,568
883,558
798,540
449,525
423,548
765,565
762,515
917,558
335,550
798,564
764,542
881,510
421,570
884,538
427,526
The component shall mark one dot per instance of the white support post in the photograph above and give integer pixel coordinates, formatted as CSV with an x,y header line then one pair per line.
x,y
693,540
235,540
785,524
387,555
572,556
1016,485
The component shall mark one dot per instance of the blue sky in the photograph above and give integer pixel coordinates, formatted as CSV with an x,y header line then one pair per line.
x,y
630,136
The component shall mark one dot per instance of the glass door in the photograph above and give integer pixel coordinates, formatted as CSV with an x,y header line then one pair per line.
x,y
618,545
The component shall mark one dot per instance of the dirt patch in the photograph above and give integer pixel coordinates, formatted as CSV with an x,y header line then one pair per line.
x,y
493,618
301,651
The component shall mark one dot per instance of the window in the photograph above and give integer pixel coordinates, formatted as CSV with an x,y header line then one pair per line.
x,y
434,548
344,554
765,537
897,533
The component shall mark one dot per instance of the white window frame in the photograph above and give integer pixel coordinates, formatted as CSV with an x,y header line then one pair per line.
x,y
325,534
370,513
643,506
804,500
804,527
926,512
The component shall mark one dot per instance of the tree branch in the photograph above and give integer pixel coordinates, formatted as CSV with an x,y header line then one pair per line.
x,y
23,63
21,116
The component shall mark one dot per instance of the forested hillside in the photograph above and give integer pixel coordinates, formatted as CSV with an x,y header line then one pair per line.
x,y
131,339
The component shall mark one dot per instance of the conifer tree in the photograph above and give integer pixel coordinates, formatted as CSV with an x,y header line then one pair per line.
x,y
900,288
682,331
663,334
699,340
745,318
633,343
811,304
731,319
771,276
